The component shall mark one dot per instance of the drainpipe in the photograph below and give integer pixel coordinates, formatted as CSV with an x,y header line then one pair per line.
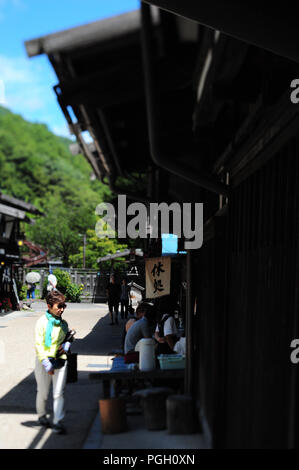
x,y
160,158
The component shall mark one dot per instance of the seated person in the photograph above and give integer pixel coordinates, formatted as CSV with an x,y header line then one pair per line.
x,y
166,334
139,314
180,346
133,319
128,324
142,328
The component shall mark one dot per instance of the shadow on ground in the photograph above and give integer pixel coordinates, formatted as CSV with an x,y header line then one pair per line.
x,y
81,398
102,339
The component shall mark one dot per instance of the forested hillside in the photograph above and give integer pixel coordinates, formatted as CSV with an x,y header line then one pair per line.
x,y
34,163
37,166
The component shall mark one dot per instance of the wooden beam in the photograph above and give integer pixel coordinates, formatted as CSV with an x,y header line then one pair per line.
x,y
16,213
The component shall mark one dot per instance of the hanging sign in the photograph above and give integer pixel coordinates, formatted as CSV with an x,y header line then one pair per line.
x,y
158,275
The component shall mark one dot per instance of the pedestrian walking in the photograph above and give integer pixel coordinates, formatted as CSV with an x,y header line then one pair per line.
x,y
113,291
31,290
52,342
124,299
52,281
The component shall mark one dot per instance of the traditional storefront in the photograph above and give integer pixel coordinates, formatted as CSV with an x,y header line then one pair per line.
x,y
12,212
191,104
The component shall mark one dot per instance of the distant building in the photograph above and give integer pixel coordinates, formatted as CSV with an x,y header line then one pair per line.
x,y
12,212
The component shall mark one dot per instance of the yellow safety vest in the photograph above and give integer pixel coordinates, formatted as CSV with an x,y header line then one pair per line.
x,y
57,336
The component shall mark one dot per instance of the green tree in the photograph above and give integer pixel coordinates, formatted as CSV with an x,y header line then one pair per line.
x,y
97,248
37,166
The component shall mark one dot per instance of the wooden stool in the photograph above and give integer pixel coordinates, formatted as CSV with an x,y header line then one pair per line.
x,y
113,415
180,415
154,406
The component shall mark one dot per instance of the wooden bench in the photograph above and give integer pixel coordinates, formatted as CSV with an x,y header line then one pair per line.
x,y
117,377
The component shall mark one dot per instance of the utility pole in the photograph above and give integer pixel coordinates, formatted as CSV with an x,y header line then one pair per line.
x,y
84,248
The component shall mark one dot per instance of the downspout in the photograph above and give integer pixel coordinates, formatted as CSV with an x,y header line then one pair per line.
x,y
160,158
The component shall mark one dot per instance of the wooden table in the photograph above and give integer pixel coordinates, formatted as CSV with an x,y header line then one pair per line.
x,y
106,377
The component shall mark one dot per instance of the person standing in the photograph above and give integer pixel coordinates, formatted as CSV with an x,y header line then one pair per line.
x,y
113,291
52,281
30,290
124,299
50,365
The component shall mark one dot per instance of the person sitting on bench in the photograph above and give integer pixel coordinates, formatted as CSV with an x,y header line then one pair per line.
x,y
143,328
166,334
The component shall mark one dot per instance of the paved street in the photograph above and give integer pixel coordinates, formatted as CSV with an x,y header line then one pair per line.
x,y
95,338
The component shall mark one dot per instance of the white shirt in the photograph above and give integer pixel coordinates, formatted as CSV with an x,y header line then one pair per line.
x,y
169,326
180,346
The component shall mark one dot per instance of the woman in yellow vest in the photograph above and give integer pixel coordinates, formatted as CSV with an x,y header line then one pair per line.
x,y
51,345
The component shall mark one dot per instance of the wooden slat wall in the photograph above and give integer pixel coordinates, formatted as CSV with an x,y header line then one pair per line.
x,y
261,294
209,328
257,314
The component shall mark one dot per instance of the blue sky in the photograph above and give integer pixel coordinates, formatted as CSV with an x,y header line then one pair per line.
x,y
26,84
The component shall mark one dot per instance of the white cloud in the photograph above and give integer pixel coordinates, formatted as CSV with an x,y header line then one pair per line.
x,y
2,93
26,89
16,70
30,103
61,130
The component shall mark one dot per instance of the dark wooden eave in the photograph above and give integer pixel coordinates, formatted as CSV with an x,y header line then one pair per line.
x,y
269,25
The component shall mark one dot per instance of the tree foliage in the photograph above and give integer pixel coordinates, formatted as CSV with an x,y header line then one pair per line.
x,y
37,167
97,248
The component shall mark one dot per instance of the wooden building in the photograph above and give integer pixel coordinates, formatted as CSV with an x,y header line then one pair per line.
x,y
191,102
12,212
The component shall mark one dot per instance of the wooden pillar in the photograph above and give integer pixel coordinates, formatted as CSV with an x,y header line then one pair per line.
x,y
189,321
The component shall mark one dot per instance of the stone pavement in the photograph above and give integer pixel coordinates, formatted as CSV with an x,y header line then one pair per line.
x,y
95,338
138,437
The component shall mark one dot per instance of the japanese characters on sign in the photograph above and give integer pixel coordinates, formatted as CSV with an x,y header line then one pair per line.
x,y
158,275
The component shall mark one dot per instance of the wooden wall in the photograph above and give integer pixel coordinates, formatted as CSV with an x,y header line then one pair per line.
x,y
247,311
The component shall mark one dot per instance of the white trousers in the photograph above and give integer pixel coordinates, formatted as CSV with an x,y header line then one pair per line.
x,y
44,380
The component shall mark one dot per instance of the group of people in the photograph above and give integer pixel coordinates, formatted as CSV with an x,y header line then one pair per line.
x,y
150,320
31,286
153,321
